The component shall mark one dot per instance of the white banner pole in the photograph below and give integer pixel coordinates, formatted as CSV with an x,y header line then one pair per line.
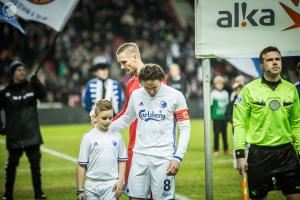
x,y
207,128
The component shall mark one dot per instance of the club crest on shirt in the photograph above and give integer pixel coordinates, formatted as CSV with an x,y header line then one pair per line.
x,y
274,105
163,104
115,143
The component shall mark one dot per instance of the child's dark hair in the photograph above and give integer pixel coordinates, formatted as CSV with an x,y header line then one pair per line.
x,y
151,72
102,105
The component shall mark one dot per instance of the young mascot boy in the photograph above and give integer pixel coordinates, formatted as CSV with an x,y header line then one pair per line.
x,y
101,159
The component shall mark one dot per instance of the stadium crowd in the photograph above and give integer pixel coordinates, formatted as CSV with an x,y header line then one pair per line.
x,y
97,28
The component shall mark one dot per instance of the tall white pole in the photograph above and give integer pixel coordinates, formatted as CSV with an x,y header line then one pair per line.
x,y
207,128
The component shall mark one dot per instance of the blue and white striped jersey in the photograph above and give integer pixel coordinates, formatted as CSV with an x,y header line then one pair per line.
x,y
94,90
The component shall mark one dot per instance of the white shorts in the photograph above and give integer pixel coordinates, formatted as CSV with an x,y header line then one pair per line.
x,y
99,190
149,174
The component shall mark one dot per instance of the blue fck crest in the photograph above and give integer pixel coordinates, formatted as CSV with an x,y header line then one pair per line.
x,y
114,143
163,104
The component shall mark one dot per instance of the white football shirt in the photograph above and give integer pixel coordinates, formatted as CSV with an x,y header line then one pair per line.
x,y
157,116
100,152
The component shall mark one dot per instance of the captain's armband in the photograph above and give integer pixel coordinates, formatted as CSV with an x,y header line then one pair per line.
x,y
182,115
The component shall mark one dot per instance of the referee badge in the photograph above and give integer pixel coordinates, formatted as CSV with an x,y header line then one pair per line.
x,y
238,100
274,105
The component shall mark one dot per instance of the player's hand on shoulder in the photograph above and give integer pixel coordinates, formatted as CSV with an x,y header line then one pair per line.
x,y
118,188
173,167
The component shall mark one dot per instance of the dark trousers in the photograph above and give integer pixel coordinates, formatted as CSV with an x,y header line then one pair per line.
x,y
34,156
220,126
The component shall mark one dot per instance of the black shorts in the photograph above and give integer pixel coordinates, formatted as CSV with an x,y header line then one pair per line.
x,y
271,168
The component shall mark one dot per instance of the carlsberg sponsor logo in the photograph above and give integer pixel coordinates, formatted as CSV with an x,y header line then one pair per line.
x,y
151,115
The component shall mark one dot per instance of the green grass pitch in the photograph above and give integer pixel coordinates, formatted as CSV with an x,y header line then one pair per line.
x,y
59,181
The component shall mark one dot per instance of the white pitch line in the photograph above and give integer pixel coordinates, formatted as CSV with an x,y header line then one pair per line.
x,y
74,160
54,153
58,154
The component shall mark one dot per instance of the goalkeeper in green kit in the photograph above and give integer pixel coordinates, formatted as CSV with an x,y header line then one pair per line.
x,y
267,116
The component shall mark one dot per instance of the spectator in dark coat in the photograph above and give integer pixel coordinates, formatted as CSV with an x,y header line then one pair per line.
x,y
22,129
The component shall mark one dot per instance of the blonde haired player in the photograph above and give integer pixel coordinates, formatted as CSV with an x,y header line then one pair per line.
x,y
101,159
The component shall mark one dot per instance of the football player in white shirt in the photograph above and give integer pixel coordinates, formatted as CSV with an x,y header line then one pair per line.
x,y
156,160
102,159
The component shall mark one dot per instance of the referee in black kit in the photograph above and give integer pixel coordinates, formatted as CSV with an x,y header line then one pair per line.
x,y
267,116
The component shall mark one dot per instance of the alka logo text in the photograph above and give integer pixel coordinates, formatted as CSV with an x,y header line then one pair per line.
x,y
147,116
243,16
264,17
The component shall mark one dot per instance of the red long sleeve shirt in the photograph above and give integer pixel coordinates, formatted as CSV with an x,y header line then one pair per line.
x,y
132,85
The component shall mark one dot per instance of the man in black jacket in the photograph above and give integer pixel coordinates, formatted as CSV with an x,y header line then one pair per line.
x,y
19,102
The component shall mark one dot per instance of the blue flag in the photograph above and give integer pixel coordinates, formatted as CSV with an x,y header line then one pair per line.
x,y
250,66
7,12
